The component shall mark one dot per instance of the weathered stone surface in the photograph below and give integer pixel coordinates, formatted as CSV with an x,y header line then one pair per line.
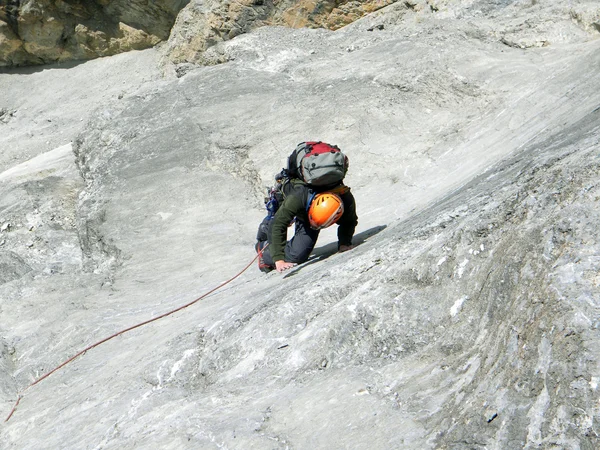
x,y
47,31
12,266
43,31
12,52
587,14
38,201
346,13
542,24
466,318
325,13
29,129
6,366
202,24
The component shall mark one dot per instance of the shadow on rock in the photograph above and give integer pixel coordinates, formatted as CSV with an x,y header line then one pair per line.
x,y
33,69
322,253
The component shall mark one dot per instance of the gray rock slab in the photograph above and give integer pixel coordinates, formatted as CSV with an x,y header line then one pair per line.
x,y
47,106
466,318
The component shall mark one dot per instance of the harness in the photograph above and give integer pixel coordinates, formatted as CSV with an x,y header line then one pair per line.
x,y
287,186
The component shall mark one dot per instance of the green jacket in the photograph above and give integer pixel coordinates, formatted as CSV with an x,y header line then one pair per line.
x,y
296,194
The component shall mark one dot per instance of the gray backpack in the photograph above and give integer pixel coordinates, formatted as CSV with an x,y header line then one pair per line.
x,y
318,164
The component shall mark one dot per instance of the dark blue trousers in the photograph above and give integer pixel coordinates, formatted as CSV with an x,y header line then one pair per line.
x,y
297,249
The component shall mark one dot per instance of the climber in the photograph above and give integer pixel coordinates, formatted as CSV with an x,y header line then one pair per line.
x,y
310,194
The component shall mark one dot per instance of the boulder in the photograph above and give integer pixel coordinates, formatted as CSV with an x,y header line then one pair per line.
x,y
202,24
45,31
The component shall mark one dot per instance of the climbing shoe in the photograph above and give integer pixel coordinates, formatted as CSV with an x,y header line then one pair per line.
x,y
262,265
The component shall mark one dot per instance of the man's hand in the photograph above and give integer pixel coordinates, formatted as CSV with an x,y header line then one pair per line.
x,y
345,248
282,266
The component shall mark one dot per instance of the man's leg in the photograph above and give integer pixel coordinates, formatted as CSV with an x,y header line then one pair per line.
x,y
297,249
265,262
263,229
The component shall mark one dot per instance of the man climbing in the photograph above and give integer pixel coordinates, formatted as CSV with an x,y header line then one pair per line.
x,y
311,194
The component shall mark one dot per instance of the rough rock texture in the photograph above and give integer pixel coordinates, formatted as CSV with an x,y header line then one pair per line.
x,y
203,23
587,14
466,317
29,128
219,21
514,243
521,24
325,14
47,31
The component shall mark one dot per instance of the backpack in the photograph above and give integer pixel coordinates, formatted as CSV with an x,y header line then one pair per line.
x,y
283,187
318,164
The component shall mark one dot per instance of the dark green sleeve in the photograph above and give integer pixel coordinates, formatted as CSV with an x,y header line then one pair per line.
x,y
290,208
348,221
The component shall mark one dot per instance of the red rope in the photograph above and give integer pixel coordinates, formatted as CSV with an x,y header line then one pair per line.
x,y
20,395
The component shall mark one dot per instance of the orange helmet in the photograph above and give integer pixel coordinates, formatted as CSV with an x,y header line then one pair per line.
x,y
325,210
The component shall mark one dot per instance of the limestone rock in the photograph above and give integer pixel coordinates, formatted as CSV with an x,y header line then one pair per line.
x,y
11,48
587,15
467,316
12,267
202,24
45,31
349,12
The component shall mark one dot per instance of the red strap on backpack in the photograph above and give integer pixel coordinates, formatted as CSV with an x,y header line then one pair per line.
x,y
315,148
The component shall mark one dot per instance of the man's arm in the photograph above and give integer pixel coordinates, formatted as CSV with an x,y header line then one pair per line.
x,y
283,217
347,223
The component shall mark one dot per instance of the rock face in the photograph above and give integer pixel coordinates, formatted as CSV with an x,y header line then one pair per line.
x,y
47,31
202,24
466,317
587,14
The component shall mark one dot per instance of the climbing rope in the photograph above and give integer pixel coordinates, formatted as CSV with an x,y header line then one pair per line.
x,y
82,352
